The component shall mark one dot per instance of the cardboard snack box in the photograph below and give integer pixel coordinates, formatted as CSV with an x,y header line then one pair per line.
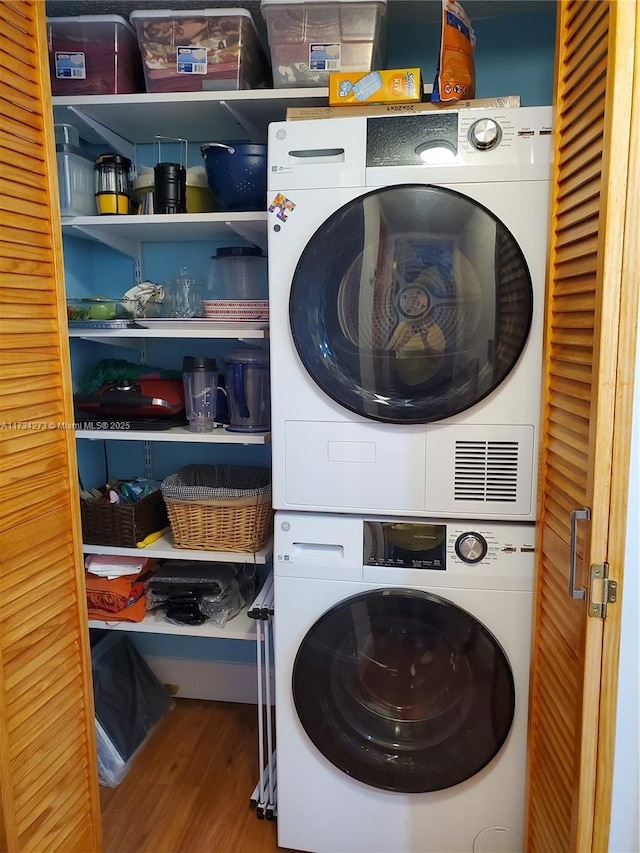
x,y
306,113
401,85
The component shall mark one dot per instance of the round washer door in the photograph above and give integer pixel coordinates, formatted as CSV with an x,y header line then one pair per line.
x,y
410,304
403,690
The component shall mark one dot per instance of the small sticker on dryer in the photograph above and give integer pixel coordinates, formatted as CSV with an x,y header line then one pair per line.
x,y
281,206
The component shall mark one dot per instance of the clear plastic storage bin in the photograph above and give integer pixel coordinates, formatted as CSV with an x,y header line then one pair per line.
x,y
75,174
200,50
93,55
310,39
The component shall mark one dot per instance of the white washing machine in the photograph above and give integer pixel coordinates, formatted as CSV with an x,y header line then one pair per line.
x,y
407,275
402,671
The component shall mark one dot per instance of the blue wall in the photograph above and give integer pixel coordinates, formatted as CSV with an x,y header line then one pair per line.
x,y
513,56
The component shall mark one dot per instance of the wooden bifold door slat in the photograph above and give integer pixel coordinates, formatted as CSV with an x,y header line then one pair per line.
x,y
48,765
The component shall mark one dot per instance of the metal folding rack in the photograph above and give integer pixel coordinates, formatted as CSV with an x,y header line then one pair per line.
x,y
264,796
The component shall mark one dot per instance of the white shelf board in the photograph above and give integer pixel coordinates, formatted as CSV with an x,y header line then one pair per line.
x,y
195,116
241,627
188,329
125,233
163,549
175,434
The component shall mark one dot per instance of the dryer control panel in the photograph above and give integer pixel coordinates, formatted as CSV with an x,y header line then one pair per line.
x,y
440,146
441,138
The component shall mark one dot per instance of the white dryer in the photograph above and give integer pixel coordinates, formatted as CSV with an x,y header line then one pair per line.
x,y
407,274
402,672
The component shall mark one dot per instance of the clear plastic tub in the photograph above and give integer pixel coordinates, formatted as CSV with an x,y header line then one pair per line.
x,y
93,55
200,50
75,174
308,40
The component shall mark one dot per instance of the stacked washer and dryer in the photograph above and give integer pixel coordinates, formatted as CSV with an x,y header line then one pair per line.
x,y
407,271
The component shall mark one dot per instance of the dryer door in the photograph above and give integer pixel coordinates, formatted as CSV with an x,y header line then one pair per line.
x,y
410,304
403,690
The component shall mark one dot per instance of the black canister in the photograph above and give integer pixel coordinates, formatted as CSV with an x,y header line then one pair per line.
x,y
170,193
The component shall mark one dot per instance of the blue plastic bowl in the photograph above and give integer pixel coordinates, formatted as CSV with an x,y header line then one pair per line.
x,y
237,174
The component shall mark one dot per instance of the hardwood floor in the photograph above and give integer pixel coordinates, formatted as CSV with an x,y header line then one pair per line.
x,y
188,789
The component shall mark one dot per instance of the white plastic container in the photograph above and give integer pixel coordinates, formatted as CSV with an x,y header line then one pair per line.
x,y
75,174
308,40
195,50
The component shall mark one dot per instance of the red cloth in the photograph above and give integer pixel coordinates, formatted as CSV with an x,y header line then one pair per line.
x,y
118,599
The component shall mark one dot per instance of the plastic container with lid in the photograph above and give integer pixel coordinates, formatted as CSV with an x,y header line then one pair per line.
x,y
248,390
309,40
200,50
75,174
238,273
93,55
199,197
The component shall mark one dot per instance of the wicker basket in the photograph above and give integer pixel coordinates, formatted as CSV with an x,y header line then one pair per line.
x,y
123,525
219,507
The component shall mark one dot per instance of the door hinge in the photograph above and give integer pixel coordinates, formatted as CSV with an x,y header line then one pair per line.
x,y
603,590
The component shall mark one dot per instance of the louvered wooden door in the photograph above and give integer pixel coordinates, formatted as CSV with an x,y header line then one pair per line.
x,y
589,354
48,773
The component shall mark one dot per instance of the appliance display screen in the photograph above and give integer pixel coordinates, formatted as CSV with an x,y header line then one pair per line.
x,y
410,545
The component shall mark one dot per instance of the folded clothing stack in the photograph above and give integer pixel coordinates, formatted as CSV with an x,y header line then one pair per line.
x,y
193,592
118,599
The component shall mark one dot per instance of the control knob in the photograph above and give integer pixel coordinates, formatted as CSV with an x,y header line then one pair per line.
x,y
471,547
485,134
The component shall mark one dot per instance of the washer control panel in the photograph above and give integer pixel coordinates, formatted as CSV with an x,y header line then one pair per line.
x,y
425,545
441,553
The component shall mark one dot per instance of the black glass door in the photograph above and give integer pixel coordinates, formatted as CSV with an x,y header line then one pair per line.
x,y
403,690
410,304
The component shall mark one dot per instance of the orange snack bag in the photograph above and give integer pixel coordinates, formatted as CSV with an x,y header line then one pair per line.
x,y
456,73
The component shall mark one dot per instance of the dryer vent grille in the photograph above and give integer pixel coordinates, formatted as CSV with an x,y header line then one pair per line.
x,y
486,471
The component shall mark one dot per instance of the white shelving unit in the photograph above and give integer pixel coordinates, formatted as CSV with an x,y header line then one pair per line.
x,y
163,549
125,120
187,329
238,628
122,122
181,434
126,233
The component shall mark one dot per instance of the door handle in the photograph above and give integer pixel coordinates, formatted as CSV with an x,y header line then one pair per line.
x,y
576,516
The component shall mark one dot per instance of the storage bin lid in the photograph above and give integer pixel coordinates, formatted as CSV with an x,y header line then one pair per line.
x,y
62,148
189,13
93,19
66,134
303,3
